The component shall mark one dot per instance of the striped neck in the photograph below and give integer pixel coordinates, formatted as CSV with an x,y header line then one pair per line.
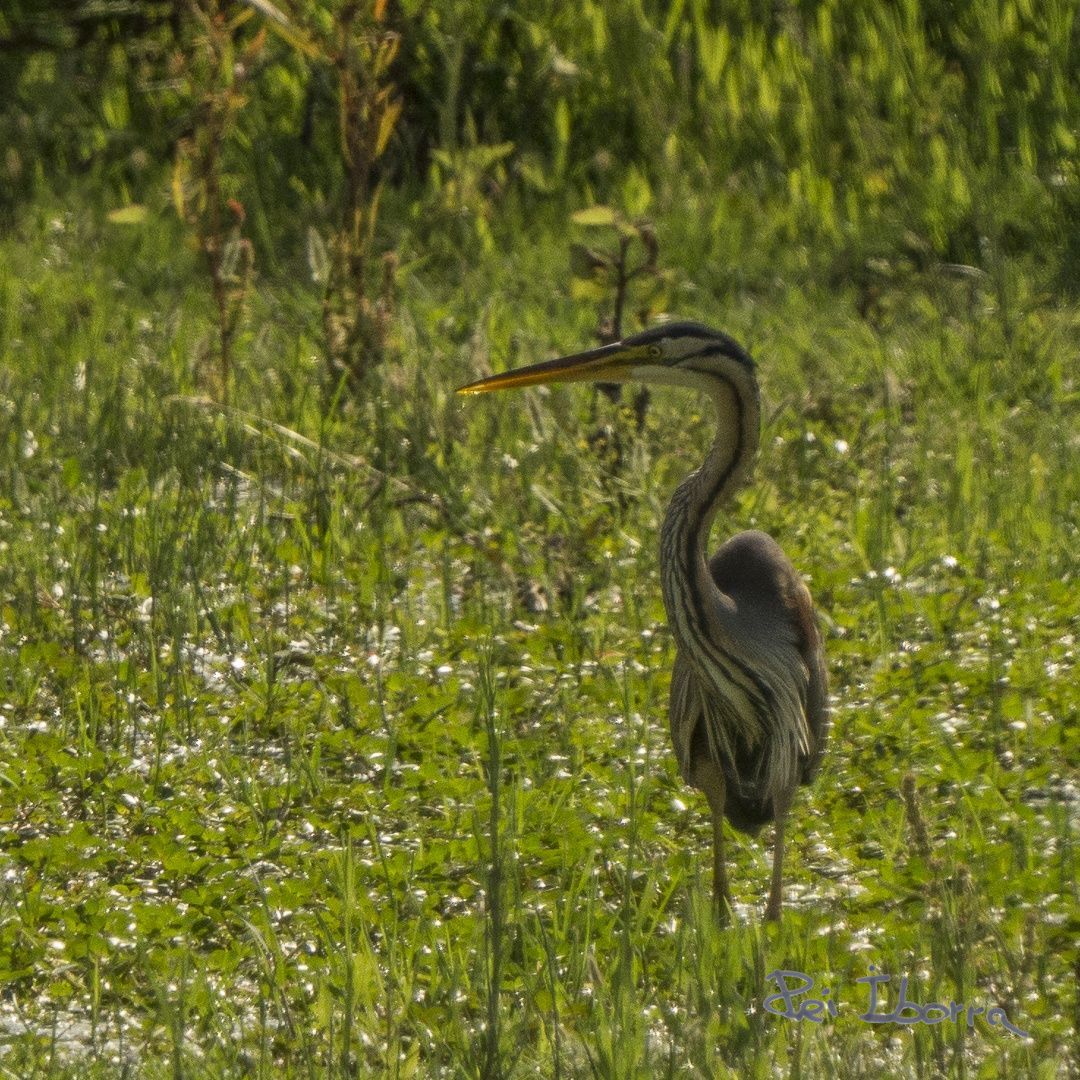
x,y
693,507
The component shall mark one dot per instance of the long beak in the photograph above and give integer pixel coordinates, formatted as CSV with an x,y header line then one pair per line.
x,y
609,363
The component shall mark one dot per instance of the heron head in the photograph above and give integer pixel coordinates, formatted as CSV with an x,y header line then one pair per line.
x,y
675,353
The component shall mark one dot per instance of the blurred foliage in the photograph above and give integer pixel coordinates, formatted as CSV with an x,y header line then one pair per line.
x,y
912,129
214,72
604,272
359,46
608,277
85,91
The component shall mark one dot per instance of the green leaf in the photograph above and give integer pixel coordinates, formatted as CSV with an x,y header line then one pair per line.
x,y
132,214
594,217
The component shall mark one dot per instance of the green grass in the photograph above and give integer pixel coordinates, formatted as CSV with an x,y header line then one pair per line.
x,y
333,739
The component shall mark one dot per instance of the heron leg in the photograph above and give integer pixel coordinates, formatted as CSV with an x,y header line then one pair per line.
x,y
709,777
721,893
772,909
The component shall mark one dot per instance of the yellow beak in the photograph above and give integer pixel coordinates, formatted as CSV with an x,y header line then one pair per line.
x,y
609,363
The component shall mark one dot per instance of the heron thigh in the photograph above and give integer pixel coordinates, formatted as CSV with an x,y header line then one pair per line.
x,y
707,776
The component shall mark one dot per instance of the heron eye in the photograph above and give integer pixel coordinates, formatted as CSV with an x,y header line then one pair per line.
x,y
655,352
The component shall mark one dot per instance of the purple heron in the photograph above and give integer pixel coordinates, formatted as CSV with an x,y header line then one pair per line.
x,y
748,708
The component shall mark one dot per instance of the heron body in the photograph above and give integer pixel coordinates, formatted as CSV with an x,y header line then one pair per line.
x,y
748,708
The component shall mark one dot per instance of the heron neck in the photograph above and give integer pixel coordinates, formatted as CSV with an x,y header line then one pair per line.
x,y
685,531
